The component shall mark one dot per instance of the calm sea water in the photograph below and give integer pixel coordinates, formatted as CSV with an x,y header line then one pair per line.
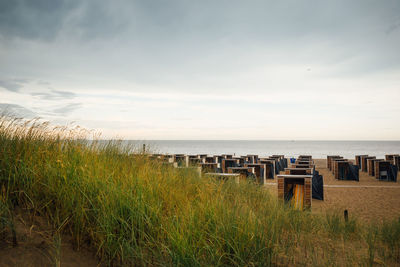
x,y
318,149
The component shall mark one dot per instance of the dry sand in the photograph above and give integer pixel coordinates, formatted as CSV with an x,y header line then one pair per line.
x,y
369,199
37,246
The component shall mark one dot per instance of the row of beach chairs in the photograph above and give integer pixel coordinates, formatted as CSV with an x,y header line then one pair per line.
x,y
343,169
297,183
382,169
228,166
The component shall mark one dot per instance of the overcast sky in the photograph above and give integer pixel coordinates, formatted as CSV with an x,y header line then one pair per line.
x,y
327,70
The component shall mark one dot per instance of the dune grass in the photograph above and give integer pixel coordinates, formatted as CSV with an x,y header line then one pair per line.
x,y
136,211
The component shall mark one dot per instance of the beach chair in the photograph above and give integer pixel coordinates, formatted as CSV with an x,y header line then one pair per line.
x,y
329,161
209,160
295,189
260,171
335,165
358,160
179,160
385,171
345,170
244,172
269,168
252,158
364,161
371,166
227,163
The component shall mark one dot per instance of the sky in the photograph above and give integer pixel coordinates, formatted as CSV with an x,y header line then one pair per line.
x,y
210,69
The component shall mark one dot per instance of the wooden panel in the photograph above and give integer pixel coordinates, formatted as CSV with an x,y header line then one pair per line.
x,y
376,169
299,171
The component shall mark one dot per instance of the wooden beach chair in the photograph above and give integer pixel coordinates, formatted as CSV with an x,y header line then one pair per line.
x,y
296,188
371,166
244,172
329,161
358,160
364,163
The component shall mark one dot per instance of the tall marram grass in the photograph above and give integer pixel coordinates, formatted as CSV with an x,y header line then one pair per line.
x,y
137,211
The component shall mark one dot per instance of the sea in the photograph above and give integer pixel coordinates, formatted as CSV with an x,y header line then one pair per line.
x,y
318,149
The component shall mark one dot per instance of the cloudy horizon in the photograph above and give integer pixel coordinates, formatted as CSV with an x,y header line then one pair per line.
x,y
212,70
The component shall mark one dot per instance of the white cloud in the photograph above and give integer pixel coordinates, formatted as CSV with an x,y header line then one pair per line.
x,y
215,70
